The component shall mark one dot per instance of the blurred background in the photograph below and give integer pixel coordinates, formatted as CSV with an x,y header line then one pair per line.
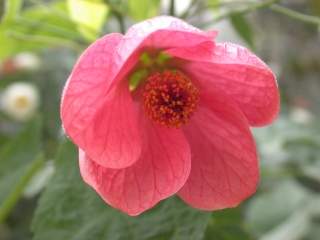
x,y
40,41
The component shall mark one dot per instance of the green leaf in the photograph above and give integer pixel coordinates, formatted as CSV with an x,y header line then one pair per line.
x,y
89,16
16,158
12,8
50,20
214,4
18,189
227,225
268,210
69,209
142,9
37,27
2,5
295,227
243,28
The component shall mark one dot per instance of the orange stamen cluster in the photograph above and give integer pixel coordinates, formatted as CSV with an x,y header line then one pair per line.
x,y
170,98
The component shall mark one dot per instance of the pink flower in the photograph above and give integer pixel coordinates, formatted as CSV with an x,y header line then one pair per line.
x,y
164,109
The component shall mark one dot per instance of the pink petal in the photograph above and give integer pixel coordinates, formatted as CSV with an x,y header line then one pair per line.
x,y
240,74
162,32
224,167
160,172
158,33
94,115
113,139
200,52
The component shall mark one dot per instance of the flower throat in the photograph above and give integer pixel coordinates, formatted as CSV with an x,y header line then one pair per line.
x,y
170,98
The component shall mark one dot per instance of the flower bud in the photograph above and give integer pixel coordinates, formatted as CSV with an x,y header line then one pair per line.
x,y
27,61
21,62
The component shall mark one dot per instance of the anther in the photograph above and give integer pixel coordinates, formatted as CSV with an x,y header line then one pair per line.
x,y
170,98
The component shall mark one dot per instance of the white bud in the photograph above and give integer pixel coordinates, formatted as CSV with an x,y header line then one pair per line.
x,y
27,61
20,100
301,116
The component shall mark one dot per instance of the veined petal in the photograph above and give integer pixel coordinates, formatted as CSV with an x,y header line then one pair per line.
x,y
113,139
88,82
158,33
161,171
224,167
199,52
97,117
163,32
246,79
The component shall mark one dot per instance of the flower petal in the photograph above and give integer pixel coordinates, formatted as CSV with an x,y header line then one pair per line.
x,y
94,114
199,52
162,32
113,139
158,33
160,172
241,75
224,168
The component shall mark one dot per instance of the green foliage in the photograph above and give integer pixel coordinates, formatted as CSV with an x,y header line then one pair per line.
x,y
37,27
142,9
243,28
12,8
89,16
287,205
270,209
214,4
69,209
1,10
16,158
227,225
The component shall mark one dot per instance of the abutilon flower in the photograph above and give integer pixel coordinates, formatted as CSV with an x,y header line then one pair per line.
x,y
164,109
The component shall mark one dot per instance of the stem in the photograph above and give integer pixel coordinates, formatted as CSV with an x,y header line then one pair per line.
x,y
218,5
224,4
252,7
189,10
120,19
18,189
172,8
117,13
12,8
296,15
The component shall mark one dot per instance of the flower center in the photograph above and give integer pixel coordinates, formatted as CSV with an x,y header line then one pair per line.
x,y
21,102
170,98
